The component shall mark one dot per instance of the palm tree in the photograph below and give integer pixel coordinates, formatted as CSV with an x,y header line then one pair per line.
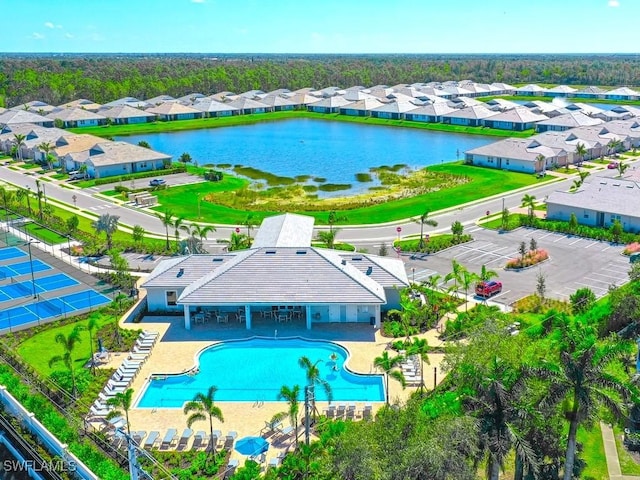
x,y
423,220
20,194
108,224
328,237
486,275
203,407
201,231
541,161
68,343
91,326
614,146
291,396
581,378
28,197
622,167
313,378
529,201
578,183
167,221
249,223
39,196
46,148
581,151
18,141
467,279
389,365
138,234
84,169
494,403
122,404
334,218
237,241
455,274
177,226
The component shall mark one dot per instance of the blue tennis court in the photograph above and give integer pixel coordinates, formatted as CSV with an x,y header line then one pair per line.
x,y
11,252
43,284
22,268
55,307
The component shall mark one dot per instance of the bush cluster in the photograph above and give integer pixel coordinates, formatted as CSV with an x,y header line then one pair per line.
x,y
532,257
133,176
633,247
434,244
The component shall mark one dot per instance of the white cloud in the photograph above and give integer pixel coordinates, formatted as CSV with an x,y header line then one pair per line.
x,y
68,35
49,25
197,1
614,3
37,36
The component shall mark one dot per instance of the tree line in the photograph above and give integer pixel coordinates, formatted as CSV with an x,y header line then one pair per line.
x,y
103,78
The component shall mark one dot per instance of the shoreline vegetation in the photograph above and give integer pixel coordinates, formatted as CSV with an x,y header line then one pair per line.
x,y
439,186
251,119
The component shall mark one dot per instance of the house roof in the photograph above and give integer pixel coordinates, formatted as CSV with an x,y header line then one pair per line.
x,y
619,197
517,148
572,119
74,114
35,106
125,111
622,91
332,102
22,116
532,87
81,103
277,101
562,89
172,108
210,105
114,153
69,143
129,101
160,99
190,98
288,230
433,109
474,112
366,104
519,115
591,89
242,103
396,107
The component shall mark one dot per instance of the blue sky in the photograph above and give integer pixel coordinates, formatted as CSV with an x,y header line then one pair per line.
x,y
324,26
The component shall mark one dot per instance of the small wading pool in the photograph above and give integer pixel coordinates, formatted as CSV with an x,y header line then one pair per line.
x,y
255,370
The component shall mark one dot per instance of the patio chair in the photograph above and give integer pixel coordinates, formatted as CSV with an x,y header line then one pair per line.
x,y
184,439
138,436
367,412
151,440
351,411
170,437
275,462
341,410
99,412
286,432
199,440
222,319
229,440
213,441
231,468
330,411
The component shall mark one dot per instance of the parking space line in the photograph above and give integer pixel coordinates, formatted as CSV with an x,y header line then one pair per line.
x,y
592,244
545,235
606,248
558,239
603,275
578,240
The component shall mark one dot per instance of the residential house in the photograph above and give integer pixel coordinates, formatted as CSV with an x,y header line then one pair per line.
x,y
532,90
281,278
361,108
567,121
469,116
213,108
108,159
82,103
35,106
247,106
393,110
516,119
190,98
430,113
278,103
77,117
599,203
127,101
17,117
170,111
328,105
560,91
126,115
525,155
590,92
622,93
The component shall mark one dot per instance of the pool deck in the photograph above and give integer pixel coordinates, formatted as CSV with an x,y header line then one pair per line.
x,y
177,348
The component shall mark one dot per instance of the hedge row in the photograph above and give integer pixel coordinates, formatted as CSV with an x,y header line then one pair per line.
x,y
133,176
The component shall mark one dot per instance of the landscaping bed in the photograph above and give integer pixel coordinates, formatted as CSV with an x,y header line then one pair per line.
x,y
435,243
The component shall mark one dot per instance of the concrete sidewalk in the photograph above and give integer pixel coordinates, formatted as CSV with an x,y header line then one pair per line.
x,y
611,452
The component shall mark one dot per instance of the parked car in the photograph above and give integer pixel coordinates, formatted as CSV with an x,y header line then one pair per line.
x,y
76,175
612,165
488,289
634,257
156,182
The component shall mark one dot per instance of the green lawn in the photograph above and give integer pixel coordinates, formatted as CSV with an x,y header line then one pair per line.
x,y
42,233
157,127
38,349
29,166
183,200
627,463
593,454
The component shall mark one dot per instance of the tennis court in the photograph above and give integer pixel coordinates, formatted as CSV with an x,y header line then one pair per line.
x,y
43,284
47,309
11,252
22,268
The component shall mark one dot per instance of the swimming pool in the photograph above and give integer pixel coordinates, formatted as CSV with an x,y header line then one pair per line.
x,y
255,370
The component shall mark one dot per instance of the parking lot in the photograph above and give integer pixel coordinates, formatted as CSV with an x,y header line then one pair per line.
x,y
574,263
172,181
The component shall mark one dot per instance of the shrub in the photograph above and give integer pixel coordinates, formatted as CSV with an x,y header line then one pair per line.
x,y
632,248
530,258
213,175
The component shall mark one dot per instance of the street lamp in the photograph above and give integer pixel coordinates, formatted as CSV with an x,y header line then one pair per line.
x,y
75,199
33,280
69,247
413,274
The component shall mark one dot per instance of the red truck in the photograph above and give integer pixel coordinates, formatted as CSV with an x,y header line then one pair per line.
x,y
488,289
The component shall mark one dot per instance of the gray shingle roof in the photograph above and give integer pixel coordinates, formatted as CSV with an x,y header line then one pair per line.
x,y
620,197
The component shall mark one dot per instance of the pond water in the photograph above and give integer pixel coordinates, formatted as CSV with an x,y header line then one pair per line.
x,y
335,151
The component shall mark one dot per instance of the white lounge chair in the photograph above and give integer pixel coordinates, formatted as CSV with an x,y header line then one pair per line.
x,y
170,437
151,440
230,439
200,440
184,439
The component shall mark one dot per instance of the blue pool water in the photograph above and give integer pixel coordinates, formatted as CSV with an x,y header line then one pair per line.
x,y
255,370
333,150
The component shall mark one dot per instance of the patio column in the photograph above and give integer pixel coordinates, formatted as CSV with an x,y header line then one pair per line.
x,y
308,316
377,313
247,316
187,318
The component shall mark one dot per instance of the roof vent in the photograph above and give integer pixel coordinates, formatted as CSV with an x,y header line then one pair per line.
x,y
344,262
270,252
356,259
301,252
180,272
369,270
217,260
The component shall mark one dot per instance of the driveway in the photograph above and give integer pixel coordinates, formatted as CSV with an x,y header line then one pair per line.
x,y
574,263
172,181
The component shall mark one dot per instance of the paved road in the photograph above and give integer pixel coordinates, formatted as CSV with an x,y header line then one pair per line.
x,y
362,236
